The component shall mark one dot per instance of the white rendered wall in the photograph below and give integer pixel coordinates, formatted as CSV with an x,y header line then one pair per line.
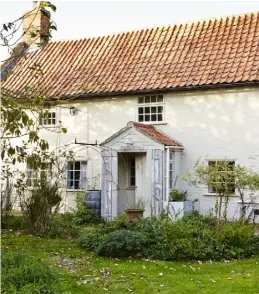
x,y
210,124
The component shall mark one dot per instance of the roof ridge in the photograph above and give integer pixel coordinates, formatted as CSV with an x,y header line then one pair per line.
x,y
194,21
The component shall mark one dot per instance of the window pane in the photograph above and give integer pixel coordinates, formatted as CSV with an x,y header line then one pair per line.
x,y
77,175
160,117
140,110
69,184
160,109
153,99
147,110
147,99
160,98
76,185
77,165
71,166
140,118
153,109
53,114
147,117
153,117
140,99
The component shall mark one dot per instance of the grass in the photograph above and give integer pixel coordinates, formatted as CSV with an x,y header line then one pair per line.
x,y
83,272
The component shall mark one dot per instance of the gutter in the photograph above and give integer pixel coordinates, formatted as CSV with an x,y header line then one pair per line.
x,y
172,89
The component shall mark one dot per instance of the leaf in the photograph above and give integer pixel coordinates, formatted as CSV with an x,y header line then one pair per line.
x,y
64,130
48,4
2,154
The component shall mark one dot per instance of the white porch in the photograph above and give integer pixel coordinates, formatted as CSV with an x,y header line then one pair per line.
x,y
138,167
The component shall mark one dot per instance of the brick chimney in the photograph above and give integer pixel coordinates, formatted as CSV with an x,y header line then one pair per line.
x,y
36,26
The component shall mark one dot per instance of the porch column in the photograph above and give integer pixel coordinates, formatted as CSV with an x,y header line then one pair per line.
x,y
109,183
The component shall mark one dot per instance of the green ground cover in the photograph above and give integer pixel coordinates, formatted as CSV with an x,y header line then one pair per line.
x,y
82,272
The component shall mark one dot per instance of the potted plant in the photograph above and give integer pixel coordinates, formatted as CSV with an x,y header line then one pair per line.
x,y
136,211
178,204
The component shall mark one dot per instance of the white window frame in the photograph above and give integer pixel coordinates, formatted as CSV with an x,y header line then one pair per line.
x,y
151,101
210,190
73,179
50,120
33,176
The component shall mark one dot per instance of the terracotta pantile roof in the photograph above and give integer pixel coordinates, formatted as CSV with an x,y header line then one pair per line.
x,y
154,134
149,131
209,52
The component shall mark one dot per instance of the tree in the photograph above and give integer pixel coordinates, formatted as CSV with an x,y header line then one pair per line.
x,y
225,179
22,112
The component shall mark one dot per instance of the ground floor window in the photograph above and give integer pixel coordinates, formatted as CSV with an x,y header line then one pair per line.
x,y
33,176
223,178
76,175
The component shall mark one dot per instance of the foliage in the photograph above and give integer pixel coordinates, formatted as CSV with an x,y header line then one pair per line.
x,y
91,241
176,195
191,238
223,178
15,223
84,215
62,226
122,243
22,274
37,208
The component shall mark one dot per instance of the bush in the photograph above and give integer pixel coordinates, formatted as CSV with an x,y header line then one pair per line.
x,y
84,215
122,243
62,226
14,223
21,274
237,240
91,241
192,238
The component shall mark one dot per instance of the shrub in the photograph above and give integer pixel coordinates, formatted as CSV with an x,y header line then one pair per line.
x,y
91,241
15,223
21,274
37,208
122,243
84,215
192,238
237,240
62,226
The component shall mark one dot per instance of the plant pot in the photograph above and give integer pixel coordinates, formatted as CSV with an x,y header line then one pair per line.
x,y
178,209
134,213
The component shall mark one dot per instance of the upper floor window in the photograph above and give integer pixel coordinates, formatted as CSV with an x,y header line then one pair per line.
x,y
49,118
76,175
151,108
223,179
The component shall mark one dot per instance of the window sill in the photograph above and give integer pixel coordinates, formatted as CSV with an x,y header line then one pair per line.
x,y
75,190
152,123
217,195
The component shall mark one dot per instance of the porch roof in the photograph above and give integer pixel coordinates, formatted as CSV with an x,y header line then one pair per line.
x,y
148,130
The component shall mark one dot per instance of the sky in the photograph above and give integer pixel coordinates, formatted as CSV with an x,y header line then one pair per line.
x,y
82,19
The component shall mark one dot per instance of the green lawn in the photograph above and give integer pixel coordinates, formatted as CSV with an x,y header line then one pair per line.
x,y
83,272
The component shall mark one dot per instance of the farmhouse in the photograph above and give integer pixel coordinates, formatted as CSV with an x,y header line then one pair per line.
x,y
145,106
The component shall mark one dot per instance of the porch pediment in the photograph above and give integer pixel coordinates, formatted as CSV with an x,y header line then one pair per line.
x,y
138,136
